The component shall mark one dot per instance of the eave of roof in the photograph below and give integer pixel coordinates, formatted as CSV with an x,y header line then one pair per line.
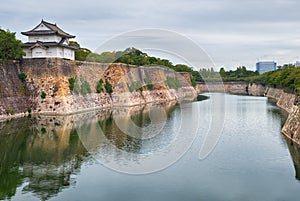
x,y
47,45
54,29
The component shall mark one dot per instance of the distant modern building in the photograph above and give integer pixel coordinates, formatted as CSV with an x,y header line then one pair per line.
x,y
297,64
47,40
265,66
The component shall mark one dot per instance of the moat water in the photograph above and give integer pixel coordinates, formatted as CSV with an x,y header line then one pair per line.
x,y
136,154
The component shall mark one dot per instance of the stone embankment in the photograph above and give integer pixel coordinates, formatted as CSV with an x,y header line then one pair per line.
x,y
51,78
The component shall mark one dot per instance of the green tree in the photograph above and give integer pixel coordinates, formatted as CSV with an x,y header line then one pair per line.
x,y
10,47
81,54
222,72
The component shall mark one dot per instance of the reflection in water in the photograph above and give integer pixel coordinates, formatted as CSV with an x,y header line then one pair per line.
x,y
124,137
295,153
44,158
43,154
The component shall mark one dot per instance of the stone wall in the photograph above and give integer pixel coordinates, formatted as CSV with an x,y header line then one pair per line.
x,y
288,102
227,87
50,76
256,90
13,91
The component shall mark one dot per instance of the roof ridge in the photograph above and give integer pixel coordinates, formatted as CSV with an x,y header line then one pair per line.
x,y
43,21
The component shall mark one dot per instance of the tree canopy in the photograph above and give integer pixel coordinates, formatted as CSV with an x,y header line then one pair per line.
x,y
10,47
81,53
283,78
137,57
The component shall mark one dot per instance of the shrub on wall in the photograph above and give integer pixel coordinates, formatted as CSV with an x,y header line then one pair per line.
x,y
43,95
72,82
137,85
85,88
172,83
148,83
108,87
193,80
99,87
22,77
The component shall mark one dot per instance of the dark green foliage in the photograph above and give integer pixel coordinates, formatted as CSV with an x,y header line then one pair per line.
x,y
85,88
285,66
240,74
148,83
196,75
29,110
288,78
135,57
73,85
81,54
137,85
10,47
72,82
193,80
43,130
172,83
108,87
22,77
99,87
43,95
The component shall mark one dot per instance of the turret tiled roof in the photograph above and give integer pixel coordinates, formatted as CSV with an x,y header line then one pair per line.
x,y
53,29
31,45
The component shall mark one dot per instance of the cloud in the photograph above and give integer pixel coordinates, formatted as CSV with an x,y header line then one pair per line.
x,y
232,32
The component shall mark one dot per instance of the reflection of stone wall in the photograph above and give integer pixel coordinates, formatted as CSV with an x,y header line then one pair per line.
x,y
44,150
295,153
286,101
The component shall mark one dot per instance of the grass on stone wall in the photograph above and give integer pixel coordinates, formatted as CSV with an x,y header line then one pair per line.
x,y
172,83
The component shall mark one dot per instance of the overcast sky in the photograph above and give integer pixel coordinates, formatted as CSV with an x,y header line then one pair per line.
x,y
231,32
